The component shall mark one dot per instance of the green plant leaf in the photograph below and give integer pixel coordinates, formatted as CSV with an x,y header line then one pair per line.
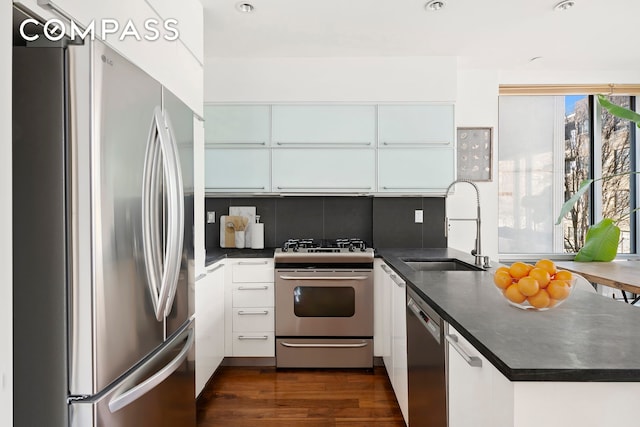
x,y
618,111
601,242
584,186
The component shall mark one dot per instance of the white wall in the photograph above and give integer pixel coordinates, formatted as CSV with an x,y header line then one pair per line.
x,y
330,79
6,261
477,106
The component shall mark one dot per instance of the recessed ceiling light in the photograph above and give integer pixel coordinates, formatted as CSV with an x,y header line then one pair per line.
x,y
434,5
245,7
564,5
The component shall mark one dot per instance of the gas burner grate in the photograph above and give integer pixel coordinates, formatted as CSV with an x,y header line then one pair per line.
x,y
351,245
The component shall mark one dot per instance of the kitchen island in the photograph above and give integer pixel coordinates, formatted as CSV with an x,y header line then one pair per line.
x,y
577,364
588,338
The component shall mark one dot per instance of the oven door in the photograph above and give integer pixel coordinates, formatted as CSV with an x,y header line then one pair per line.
x,y
324,303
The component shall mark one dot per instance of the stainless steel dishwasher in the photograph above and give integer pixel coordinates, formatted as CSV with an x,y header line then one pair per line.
x,y
426,363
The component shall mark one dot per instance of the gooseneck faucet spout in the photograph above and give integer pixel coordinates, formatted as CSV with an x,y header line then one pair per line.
x,y
477,251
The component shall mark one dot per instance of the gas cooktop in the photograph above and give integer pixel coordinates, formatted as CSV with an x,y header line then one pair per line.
x,y
324,251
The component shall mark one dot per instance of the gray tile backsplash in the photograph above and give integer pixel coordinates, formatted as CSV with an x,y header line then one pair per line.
x,y
383,222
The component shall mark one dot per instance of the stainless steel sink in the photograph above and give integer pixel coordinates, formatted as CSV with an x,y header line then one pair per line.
x,y
448,264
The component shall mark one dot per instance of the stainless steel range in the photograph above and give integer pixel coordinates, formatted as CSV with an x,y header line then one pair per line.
x,y
324,304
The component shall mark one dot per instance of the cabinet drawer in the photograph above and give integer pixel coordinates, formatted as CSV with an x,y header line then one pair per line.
x,y
253,319
253,344
253,295
253,271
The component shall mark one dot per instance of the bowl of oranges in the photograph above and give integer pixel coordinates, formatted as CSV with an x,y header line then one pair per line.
x,y
534,287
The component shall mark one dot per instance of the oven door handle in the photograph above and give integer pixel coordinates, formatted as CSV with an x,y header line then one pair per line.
x,y
326,345
324,277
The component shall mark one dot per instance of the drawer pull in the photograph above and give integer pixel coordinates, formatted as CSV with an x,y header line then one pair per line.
x,y
250,313
385,268
334,278
326,345
253,288
471,360
253,262
211,270
397,281
253,337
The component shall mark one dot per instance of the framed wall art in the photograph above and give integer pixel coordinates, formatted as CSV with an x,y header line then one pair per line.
x,y
474,153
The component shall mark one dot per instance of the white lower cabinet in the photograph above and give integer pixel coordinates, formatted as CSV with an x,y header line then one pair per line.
x,y
210,330
471,381
250,328
381,310
480,396
390,331
400,380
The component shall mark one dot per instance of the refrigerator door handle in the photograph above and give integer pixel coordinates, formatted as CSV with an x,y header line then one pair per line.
x,y
176,221
161,273
151,215
120,400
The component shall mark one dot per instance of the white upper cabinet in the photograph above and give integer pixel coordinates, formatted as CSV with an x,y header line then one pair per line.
x,y
302,170
175,63
326,148
190,23
238,125
237,170
415,125
324,125
419,170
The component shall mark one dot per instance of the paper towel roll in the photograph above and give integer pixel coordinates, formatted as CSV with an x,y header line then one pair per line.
x,y
257,236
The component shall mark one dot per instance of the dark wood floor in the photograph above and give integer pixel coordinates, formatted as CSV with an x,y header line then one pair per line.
x,y
261,397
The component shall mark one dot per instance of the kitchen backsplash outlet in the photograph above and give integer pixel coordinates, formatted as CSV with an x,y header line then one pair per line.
x,y
383,222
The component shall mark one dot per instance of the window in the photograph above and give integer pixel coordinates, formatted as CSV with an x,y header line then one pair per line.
x,y
548,146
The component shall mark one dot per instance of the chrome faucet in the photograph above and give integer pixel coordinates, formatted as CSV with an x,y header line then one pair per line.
x,y
480,259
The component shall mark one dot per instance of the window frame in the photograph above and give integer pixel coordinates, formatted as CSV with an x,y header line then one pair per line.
x,y
595,214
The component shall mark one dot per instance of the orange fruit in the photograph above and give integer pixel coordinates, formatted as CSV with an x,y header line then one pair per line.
x,y
541,275
502,279
518,269
547,264
503,268
558,289
540,300
563,275
513,294
528,286
529,267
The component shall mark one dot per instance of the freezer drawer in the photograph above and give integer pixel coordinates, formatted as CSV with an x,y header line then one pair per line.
x,y
158,393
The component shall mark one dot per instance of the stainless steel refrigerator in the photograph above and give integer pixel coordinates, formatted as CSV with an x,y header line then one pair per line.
x,y
103,243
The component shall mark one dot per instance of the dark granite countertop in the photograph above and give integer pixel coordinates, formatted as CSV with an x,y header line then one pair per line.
x,y
587,338
220,253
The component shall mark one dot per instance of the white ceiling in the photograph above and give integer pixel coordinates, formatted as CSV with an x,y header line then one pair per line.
x,y
503,34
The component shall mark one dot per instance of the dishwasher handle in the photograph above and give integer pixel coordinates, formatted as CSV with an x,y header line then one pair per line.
x,y
471,360
426,321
